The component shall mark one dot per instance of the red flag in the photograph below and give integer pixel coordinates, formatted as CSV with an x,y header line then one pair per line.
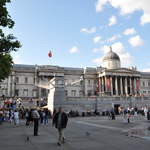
x,y
50,54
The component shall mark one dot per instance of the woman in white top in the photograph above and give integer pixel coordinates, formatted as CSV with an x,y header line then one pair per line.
x,y
16,117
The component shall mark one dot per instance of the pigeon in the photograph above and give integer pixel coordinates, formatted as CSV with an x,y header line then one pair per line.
x,y
27,139
87,134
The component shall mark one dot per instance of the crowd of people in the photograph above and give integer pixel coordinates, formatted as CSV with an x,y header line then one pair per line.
x,y
13,113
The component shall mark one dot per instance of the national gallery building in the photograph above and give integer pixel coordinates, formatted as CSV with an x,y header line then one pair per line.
x,y
108,81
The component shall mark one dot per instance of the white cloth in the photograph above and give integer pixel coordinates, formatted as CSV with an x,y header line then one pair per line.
x,y
16,115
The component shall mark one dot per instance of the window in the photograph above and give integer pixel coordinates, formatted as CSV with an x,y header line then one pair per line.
x,y
143,84
81,82
66,82
80,93
89,92
89,82
149,83
73,93
16,92
25,92
43,92
149,92
26,80
17,79
60,82
66,93
33,80
144,91
34,93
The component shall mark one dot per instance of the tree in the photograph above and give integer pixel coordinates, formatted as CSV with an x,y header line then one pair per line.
x,y
8,43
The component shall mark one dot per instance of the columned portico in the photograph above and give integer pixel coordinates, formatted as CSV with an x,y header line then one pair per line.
x,y
118,85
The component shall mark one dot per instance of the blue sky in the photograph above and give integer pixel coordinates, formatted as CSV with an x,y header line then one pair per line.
x,y
79,32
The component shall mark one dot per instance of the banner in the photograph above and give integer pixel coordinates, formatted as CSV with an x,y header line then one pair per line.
x,y
108,84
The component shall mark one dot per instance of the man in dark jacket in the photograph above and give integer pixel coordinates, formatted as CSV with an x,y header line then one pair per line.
x,y
60,120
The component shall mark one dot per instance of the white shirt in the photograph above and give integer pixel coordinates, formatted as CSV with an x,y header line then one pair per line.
x,y
16,115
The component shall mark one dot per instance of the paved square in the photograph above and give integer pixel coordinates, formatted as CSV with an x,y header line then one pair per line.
x,y
89,133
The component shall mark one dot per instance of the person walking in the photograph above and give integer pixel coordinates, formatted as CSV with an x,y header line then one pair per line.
x,y
36,117
45,116
60,121
27,117
16,117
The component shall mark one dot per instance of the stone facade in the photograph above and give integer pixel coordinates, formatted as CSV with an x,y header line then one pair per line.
x,y
95,81
32,81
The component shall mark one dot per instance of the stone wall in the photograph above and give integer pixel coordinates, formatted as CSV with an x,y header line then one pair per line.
x,y
102,103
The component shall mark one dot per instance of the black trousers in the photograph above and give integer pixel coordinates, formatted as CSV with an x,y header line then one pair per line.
x,y
36,126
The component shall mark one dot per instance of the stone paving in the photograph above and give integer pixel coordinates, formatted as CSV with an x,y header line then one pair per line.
x,y
88,133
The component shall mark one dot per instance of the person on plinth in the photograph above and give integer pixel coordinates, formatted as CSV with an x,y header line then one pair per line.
x,y
60,121
36,117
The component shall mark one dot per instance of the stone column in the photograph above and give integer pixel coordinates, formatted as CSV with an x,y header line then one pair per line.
x,y
131,86
138,90
13,85
139,86
126,86
116,85
85,87
106,89
101,88
9,86
102,84
135,90
111,85
121,87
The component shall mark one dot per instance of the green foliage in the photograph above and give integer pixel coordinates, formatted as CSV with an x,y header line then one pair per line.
x,y
8,43
5,65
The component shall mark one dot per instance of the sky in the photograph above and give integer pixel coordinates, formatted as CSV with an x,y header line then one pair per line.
x,y
79,32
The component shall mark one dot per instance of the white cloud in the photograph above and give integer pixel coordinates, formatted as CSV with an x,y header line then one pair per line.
x,y
112,20
114,37
97,39
136,41
95,50
98,61
148,64
128,7
129,31
74,49
89,31
145,19
99,5
16,58
146,70
118,47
